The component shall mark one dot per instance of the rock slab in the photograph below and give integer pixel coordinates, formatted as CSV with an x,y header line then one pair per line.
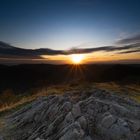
x,y
98,116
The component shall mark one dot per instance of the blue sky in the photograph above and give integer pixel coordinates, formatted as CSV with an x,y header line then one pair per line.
x,y
64,24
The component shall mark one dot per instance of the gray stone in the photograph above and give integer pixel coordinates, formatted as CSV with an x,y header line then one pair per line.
x,y
76,111
83,122
67,106
108,121
120,130
39,139
137,137
135,125
1,138
69,118
94,116
87,138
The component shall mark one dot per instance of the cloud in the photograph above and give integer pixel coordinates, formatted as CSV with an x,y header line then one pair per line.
x,y
12,54
130,44
126,47
130,51
129,40
131,47
88,50
9,51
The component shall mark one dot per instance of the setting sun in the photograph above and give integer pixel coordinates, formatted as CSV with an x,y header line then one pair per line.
x,y
77,58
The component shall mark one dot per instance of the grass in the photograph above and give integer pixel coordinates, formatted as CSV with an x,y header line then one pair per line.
x,y
130,90
10,102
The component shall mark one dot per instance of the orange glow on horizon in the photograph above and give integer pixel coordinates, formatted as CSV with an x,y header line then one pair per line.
x,y
77,58
95,57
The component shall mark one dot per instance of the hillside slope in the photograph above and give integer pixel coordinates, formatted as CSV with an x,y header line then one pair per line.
x,y
24,77
87,115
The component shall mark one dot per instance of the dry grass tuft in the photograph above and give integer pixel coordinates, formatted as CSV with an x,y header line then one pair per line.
x,y
9,101
130,90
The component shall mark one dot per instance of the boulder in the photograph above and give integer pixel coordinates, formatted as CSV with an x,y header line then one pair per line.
x,y
108,121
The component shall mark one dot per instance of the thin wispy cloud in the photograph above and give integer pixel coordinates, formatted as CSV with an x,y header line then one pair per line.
x,y
11,53
8,50
129,40
130,51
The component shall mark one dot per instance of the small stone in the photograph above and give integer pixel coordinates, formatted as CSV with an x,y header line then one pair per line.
x,y
76,111
83,122
1,138
107,121
69,118
87,138
39,139
67,106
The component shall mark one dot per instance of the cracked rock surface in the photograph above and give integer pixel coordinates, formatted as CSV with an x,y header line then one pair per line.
x,y
95,115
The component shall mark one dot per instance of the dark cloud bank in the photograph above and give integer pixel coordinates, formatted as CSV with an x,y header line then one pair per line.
x,y
127,45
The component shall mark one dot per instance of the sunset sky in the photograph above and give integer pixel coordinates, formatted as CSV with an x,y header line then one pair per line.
x,y
100,30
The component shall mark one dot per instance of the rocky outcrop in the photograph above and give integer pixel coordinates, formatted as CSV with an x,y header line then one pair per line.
x,y
95,115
